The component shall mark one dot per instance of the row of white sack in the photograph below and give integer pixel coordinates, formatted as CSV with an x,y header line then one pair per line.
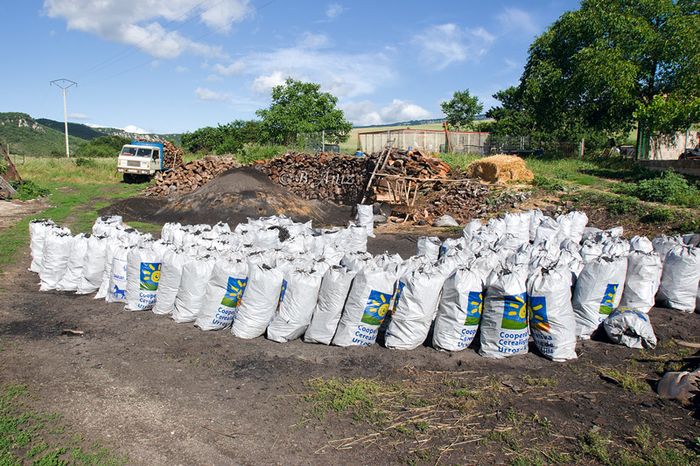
x,y
681,272
381,299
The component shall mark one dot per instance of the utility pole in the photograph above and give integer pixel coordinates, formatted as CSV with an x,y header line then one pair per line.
x,y
64,84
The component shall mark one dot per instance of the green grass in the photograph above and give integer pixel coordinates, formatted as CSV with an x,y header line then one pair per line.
x,y
27,436
629,379
361,397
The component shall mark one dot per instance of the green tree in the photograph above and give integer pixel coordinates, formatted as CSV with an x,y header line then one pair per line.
x,y
224,139
616,64
462,109
300,107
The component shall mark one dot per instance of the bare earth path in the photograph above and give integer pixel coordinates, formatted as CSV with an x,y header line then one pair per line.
x,y
167,393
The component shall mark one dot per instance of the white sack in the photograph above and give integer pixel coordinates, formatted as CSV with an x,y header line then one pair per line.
x,y
93,264
598,291
552,319
116,290
55,257
630,328
428,246
74,270
680,278
663,244
296,305
334,290
258,307
366,307
643,273
459,311
38,229
365,218
223,295
193,285
416,302
112,245
504,329
142,278
170,278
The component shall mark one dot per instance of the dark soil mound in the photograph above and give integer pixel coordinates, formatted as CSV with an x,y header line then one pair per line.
x,y
232,197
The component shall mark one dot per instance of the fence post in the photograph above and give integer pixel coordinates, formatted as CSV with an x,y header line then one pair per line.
x,y
582,148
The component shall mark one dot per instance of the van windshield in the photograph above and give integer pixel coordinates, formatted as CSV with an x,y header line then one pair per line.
x,y
144,152
128,150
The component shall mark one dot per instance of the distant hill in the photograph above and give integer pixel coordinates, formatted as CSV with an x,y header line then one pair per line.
x,y
416,122
78,130
26,136
44,137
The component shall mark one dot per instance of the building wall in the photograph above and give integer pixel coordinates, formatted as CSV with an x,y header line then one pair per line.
x,y
425,140
664,150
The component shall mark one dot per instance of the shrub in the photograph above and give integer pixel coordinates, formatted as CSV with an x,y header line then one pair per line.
x,y
105,146
27,189
619,205
252,152
669,188
658,215
85,162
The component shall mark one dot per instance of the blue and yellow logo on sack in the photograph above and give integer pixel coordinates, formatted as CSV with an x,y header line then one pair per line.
x,y
150,276
234,291
538,313
475,304
606,304
397,296
377,307
514,312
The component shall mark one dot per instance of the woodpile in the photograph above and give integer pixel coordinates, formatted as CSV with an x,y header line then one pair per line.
x,y
332,177
173,155
415,164
463,200
192,175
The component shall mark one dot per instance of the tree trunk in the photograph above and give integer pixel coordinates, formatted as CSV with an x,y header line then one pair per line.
x,y
642,144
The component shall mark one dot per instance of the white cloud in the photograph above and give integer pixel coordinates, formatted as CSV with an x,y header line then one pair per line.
x,y
136,22
229,70
514,19
345,75
365,112
334,10
181,69
207,94
443,44
265,83
78,116
309,40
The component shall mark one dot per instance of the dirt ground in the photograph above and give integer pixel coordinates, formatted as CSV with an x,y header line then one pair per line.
x,y
166,393
12,212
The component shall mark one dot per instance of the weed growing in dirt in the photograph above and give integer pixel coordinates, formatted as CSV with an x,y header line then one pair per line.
x,y
27,436
359,396
629,380
27,189
540,381
595,445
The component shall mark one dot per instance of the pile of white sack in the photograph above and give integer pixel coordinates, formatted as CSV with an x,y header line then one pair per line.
x,y
522,276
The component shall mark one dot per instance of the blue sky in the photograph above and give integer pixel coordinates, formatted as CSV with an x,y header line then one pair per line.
x,y
177,65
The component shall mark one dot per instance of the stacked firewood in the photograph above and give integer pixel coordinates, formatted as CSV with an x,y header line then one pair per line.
x,y
192,175
462,200
173,155
415,164
332,177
